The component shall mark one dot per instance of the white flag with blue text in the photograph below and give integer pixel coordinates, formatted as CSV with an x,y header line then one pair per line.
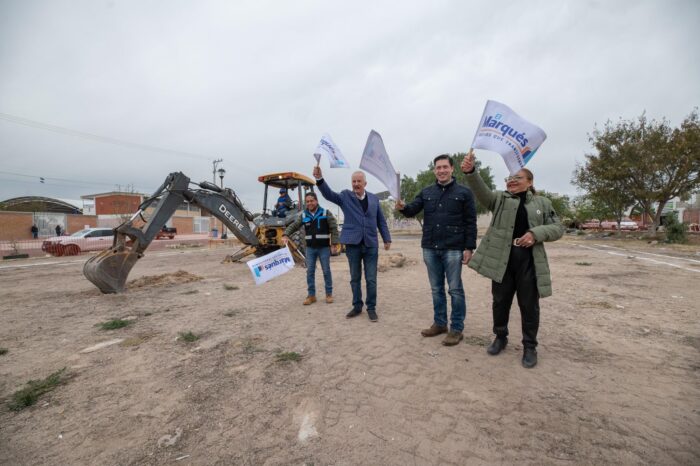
x,y
376,161
504,131
272,265
328,147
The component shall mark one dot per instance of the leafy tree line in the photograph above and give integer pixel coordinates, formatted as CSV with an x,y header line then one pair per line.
x,y
639,163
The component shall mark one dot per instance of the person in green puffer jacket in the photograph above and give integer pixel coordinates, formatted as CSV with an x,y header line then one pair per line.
x,y
512,253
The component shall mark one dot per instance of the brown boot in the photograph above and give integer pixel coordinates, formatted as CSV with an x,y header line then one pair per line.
x,y
433,331
309,300
329,298
452,338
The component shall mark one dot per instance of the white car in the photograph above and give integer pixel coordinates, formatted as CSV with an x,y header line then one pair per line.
x,y
89,239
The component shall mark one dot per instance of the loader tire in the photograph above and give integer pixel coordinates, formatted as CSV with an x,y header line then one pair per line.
x,y
299,241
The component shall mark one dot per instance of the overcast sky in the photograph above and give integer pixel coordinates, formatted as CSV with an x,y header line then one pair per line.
x,y
257,83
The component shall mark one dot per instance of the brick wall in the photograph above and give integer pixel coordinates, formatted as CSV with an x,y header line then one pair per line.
x,y
78,222
16,225
184,225
691,216
117,204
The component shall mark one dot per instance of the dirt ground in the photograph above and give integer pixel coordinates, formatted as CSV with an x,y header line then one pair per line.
x,y
617,380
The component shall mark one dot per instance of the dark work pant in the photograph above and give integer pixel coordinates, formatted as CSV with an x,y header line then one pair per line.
x,y
520,280
358,254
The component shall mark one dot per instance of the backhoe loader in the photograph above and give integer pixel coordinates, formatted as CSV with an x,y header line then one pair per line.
x,y
109,269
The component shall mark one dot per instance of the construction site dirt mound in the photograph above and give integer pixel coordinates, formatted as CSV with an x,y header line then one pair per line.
x,y
176,278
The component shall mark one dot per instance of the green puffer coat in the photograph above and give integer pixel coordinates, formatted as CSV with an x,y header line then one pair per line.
x,y
491,256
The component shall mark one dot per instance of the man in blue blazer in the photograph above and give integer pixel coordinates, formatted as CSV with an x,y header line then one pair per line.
x,y
363,217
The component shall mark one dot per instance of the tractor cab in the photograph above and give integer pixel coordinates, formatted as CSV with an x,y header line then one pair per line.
x,y
270,225
287,187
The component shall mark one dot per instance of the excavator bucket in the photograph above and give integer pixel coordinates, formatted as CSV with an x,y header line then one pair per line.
x,y
109,270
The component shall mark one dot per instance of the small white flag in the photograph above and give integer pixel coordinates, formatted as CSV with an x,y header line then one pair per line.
x,y
504,131
376,161
272,265
328,147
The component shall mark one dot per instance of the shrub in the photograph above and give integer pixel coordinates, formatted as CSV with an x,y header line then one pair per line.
x,y
676,232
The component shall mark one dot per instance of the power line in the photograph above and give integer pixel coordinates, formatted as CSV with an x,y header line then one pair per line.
x,y
82,183
62,182
109,140
96,137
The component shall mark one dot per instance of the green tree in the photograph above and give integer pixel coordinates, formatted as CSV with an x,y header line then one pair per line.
x,y
387,207
645,160
409,190
606,190
561,204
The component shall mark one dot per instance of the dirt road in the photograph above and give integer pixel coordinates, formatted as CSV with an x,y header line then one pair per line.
x,y
617,381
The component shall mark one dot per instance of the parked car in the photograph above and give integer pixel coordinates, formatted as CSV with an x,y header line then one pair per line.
x,y
629,226
89,239
594,224
166,232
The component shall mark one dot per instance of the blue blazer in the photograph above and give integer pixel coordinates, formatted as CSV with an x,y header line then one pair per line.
x,y
358,225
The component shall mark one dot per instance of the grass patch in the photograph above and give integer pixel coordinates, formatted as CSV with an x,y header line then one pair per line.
x,y
188,336
288,356
35,388
3,351
131,342
191,292
598,304
250,346
114,324
476,341
228,287
584,263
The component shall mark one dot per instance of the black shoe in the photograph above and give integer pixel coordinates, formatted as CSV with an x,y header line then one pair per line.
x,y
529,358
498,345
353,313
372,314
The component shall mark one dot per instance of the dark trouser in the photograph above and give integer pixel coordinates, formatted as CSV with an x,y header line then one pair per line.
x,y
358,254
519,279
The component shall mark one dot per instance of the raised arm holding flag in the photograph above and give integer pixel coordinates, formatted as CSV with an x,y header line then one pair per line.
x,y
328,147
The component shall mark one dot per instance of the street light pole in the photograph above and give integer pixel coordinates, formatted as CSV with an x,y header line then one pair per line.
x,y
222,172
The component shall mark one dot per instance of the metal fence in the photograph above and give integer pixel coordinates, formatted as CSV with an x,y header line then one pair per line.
x,y
69,246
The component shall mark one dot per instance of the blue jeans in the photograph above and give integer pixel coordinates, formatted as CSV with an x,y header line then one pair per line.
x,y
324,256
446,264
357,254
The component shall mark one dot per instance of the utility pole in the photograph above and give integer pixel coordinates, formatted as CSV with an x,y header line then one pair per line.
x,y
222,172
215,163
213,179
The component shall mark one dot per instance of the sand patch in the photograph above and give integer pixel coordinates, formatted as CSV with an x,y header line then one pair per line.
x,y
175,278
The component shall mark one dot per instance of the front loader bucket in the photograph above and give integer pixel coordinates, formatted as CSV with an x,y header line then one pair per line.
x,y
109,270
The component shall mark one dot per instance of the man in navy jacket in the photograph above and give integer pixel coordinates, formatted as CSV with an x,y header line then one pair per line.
x,y
449,237
363,217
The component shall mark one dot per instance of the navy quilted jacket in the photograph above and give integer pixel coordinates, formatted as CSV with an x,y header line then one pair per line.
x,y
449,220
